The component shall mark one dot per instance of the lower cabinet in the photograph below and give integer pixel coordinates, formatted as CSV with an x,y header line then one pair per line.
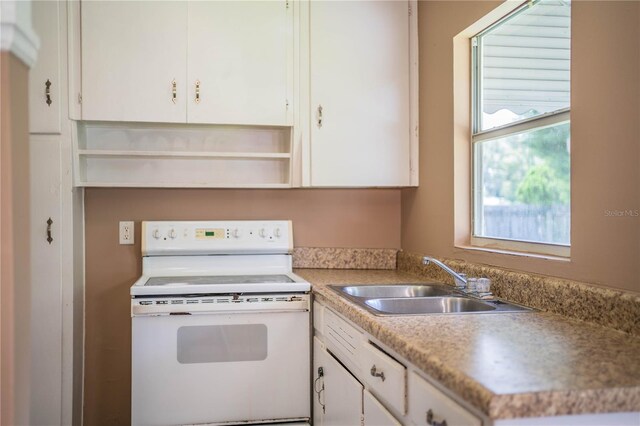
x,y
359,382
375,414
337,397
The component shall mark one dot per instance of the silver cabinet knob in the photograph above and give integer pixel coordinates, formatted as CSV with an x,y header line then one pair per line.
x,y
432,422
375,373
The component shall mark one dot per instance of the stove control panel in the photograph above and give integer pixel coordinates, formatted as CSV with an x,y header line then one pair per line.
x,y
216,237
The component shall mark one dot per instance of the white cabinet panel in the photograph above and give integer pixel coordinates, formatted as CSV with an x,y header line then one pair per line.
x,y
46,281
44,77
340,393
428,405
238,51
375,414
343,340
385,376
360,93
132,52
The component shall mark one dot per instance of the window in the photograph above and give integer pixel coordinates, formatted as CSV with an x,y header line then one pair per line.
x,y
521,137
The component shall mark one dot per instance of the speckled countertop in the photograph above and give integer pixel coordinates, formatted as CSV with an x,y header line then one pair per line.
x,y
507,365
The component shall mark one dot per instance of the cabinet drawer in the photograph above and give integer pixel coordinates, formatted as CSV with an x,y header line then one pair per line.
x,y
343,340
385,376
425,400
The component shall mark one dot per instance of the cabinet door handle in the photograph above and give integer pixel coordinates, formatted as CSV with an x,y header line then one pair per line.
x,y
49,237
319,116
47,92
197,91
432,422
317,390
376,374
174,91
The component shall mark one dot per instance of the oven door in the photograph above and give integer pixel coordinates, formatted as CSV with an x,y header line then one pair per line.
x,y
220,367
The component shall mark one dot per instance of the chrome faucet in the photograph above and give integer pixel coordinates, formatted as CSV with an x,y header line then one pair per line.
x,y
459,278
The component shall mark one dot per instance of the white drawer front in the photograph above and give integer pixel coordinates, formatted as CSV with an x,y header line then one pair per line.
x,y
385,376
425,400
343,340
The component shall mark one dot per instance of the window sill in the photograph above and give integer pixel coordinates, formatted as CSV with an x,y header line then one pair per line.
x,y
559,257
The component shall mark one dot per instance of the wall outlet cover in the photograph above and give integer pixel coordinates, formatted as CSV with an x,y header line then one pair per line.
x,y
126,232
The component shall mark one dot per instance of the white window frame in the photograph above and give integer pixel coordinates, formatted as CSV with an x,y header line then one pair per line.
x,y
534,123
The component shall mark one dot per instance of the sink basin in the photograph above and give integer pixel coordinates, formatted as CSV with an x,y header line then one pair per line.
x,y
428,305
438,305
420,299
396,290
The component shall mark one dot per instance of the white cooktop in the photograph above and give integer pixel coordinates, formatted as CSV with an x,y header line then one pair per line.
x,y
217,257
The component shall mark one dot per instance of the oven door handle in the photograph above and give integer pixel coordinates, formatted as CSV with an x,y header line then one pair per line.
x,y
274,307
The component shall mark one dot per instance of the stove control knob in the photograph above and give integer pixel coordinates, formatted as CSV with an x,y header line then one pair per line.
x,y
156,234
237,233
173,234
277,233
262,232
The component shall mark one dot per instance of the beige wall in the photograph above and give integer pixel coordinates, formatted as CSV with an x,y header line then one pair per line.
x,y
605,144
321,218
605,156
15,298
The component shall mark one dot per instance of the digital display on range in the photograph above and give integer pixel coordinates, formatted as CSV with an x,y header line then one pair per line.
x,y
209,234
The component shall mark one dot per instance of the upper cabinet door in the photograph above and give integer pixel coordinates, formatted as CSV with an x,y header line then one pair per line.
x,y
240,54
44,78
360,93
134,61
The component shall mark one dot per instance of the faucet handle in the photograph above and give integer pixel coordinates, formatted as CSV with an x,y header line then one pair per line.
x,y
459,283
484,285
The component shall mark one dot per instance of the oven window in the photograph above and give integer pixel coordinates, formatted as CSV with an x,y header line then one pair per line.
x,y
222,343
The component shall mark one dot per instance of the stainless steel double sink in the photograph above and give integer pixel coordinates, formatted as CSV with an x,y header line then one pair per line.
x,y
420,299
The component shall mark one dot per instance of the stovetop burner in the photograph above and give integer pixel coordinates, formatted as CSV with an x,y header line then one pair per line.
x,y
217,279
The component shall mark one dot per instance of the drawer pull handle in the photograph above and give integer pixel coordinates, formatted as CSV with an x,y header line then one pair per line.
x,y
432,422
374,373
174,91
47,92
197,91
49,237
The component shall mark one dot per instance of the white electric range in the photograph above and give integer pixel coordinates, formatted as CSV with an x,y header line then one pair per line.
x,y
220,326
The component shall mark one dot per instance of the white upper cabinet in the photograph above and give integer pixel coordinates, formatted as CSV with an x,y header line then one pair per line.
x,y
44,78
240,57
133,53
360,93
339,76
214,62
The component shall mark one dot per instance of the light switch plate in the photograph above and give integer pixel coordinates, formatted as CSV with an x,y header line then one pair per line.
x,y
126,232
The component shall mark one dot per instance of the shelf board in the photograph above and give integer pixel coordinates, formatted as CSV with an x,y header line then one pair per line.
x,y
97,153
182,185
